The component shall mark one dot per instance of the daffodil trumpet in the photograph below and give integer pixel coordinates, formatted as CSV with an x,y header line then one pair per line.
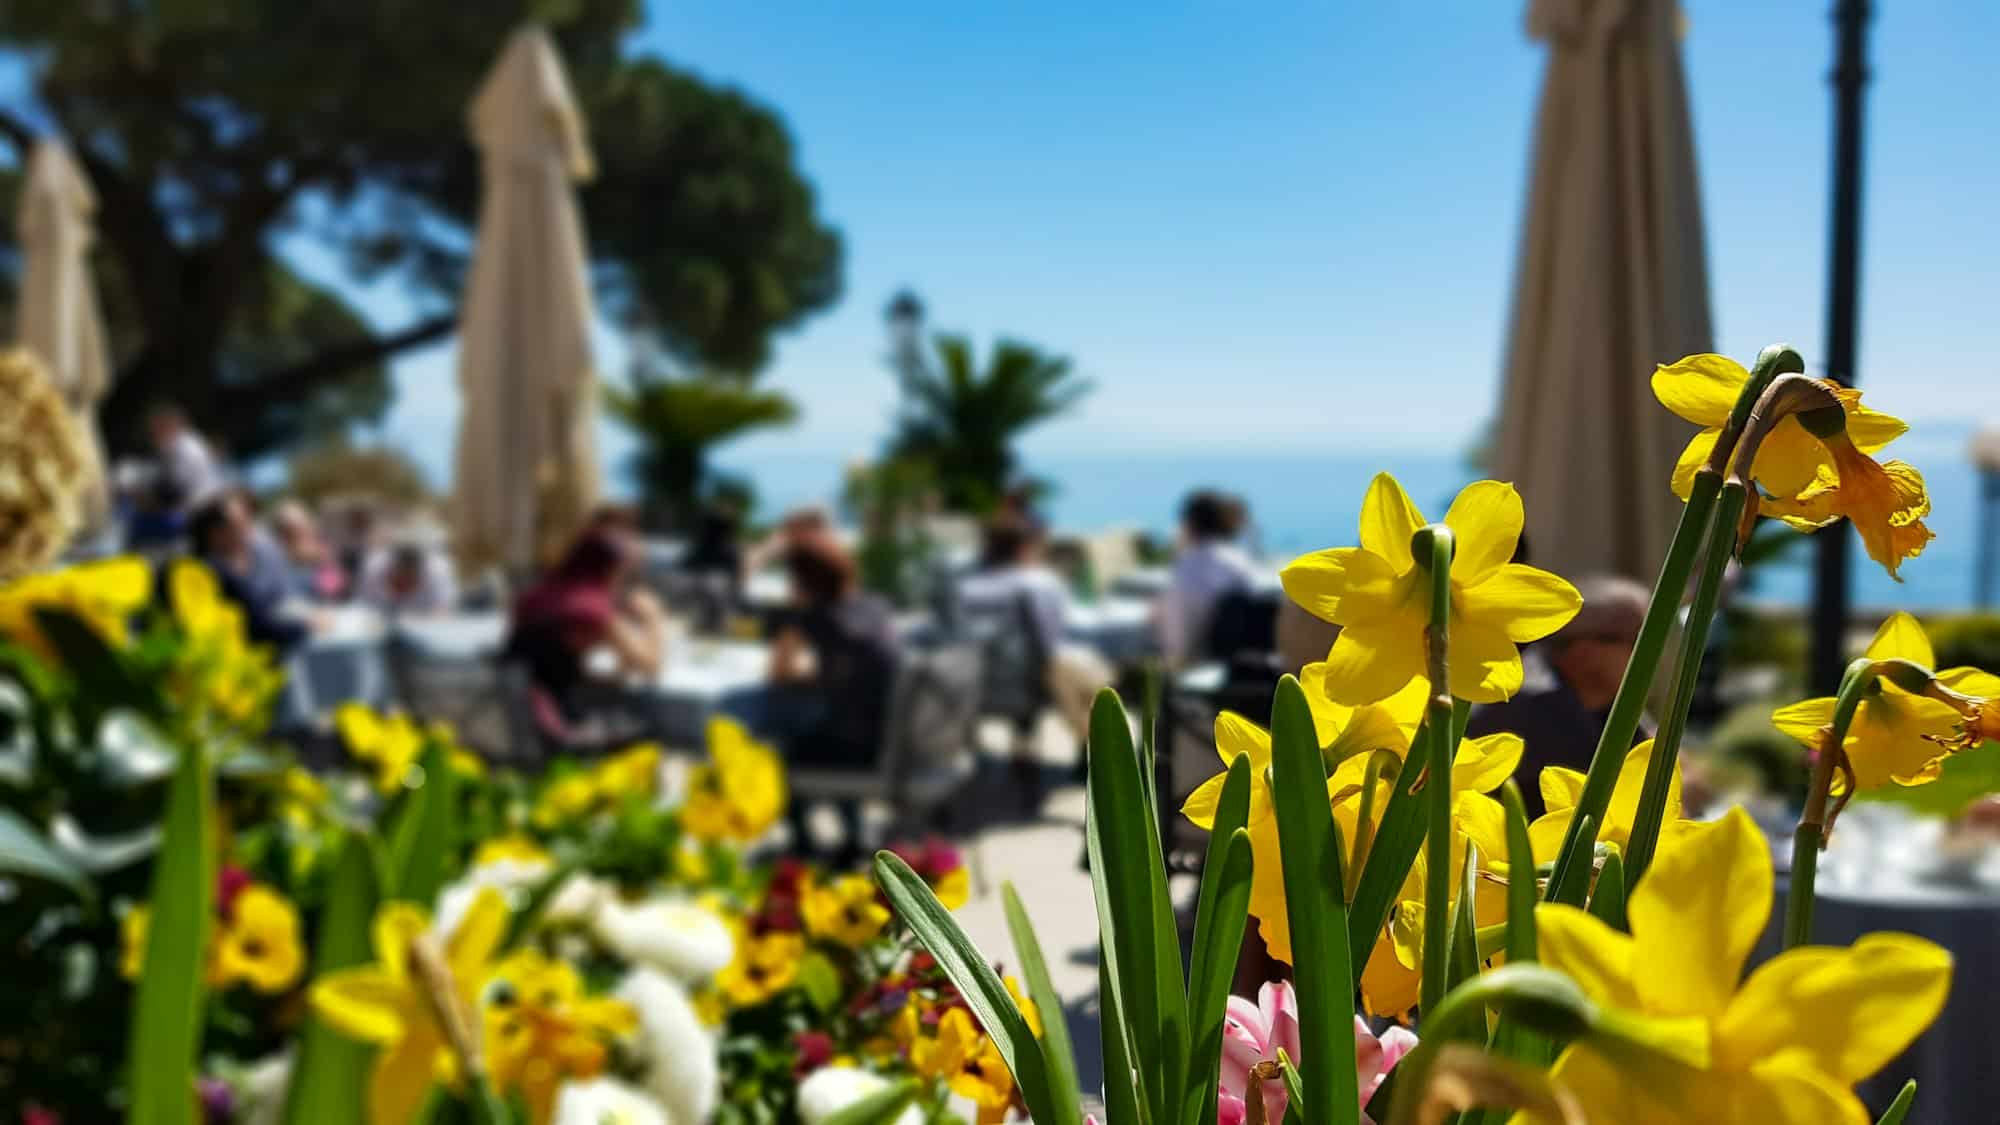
x,y
1432,547
1569,879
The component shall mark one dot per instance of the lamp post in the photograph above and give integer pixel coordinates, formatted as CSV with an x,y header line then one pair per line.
x,y
1986,461
1835,552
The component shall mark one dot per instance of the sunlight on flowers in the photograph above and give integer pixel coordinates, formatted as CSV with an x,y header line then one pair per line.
x,y
740,792
1897,736
969,1063
848,912
541,1028
1376,593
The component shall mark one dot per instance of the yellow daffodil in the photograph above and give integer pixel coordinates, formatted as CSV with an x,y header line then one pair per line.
x,y
1022,1001
1811,481
463,762
511,848
1978,704
740,793
1787,1045
970,1064
260,944
302,798
1377,594
105,595
848,911
1561,787
1896,735
391,743
564,799
763,967
633,772
387,1004
541,1029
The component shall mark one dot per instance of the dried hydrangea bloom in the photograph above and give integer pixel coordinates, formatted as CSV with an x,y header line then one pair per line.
x,y
43,457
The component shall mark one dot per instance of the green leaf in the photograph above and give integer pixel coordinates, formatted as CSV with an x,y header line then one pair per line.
x,y
1900,1108
1315,911
1056,1050
1398,838
879,1108
96,667
1222,911
1294,1085
166,1016
968,969
1135,918
25,852
1465,924
821,982
1123,1100
420,847
522,924
1607,900
331,1067
1521,890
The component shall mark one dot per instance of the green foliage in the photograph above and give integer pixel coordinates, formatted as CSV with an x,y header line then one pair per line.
x,y
890,500
166,1016
207,126
1969,641
678,421
1746,749
964,420
330,1066
339,467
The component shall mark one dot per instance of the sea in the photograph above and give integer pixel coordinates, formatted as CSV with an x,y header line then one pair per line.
x,y
1301,502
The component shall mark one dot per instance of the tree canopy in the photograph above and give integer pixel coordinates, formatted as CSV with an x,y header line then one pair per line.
x,y
963,421
218,134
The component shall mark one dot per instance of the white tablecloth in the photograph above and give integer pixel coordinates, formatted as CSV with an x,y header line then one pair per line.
x,y
1119,628
697,677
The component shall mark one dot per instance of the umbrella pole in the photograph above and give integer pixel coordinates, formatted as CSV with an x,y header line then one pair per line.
x,y
1832,567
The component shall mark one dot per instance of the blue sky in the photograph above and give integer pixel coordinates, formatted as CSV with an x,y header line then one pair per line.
x,y
1292,226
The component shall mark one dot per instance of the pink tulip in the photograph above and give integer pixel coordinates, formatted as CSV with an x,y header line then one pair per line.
x,y
1254,1033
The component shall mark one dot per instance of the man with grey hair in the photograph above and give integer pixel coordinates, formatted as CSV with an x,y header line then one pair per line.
x,y
1569,682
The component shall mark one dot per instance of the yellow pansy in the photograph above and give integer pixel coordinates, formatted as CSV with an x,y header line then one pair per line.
x,y
104,594
1811,481
391,743
386,1003
511,848
1561,787
740,792
970,1064
1896,735
1788,1044
763,967
260,944
1377,594
1026,1004
633,772
848,911
132,929
564,799
541,1029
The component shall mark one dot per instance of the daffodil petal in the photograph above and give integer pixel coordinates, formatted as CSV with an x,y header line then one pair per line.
x,y
479,934
1545,835
1902,638
1789,460
1598,958
403,1076
1483,763
1971,681
1369,729
1700,388
1624,808
362,1003
1528,604
1485,666
1236,736
1561,787
1870,429
1201,804
1803,720
1698,913
1485,520
1483,821
1851,1009
1372,662
1346,585
1388,521
1693,457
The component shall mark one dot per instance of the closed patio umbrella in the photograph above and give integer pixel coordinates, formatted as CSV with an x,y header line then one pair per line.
x,y
526,470
58,318
1611,280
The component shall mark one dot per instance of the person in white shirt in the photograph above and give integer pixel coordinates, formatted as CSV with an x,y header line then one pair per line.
x,y
1208,565
1011,569
187,468
409,577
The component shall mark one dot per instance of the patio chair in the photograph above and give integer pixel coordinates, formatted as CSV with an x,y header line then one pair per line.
x,y
462,690
1013,683
538,731
929,752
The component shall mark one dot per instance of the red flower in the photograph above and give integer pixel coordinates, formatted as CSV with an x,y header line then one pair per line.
x,y
230,881
815,1050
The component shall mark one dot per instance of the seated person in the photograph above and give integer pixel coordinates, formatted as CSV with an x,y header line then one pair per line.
x,y
315,573
833,667
1011,571
1569,681
409,577
1207,565
585,603
798,524
249,567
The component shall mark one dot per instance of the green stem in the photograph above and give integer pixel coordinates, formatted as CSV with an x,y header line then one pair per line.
x,y
1651,815
1437,836
1811,834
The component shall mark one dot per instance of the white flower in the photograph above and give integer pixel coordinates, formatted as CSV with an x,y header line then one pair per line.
x,y
679,1054
262,1088
830,1089
515,879
669,934
606,1101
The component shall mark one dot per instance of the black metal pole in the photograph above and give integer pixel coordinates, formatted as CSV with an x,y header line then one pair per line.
x,y
1835,546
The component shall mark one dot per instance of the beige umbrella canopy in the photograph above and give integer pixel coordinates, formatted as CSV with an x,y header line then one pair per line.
x,y
57,317
1612,279
527,461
